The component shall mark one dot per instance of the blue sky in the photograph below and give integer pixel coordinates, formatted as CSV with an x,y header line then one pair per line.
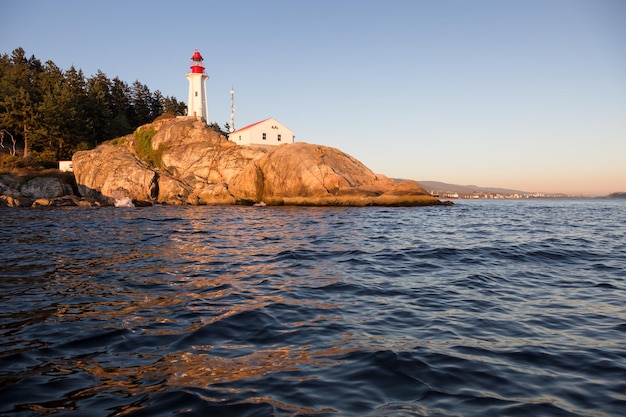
x,y
525,94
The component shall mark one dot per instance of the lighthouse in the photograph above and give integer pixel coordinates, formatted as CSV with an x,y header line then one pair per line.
x,y
197,102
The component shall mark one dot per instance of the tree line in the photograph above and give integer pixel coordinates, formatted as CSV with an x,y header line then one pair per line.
x,y
47,114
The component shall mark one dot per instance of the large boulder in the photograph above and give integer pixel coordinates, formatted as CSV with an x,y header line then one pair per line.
x,y
301,173
44,187
190,163
36,189
112,172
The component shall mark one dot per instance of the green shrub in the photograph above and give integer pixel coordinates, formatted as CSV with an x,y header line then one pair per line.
x,y
118,141
43,159
8,162
82,146
143,147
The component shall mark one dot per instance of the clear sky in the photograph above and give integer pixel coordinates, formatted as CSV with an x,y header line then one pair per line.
x,y
522,94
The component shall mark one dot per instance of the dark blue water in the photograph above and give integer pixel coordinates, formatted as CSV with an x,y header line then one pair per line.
x,y
486,308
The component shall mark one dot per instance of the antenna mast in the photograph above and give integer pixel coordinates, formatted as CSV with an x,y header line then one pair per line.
x,y
232,108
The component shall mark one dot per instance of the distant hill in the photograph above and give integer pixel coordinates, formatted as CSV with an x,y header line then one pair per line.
x,y
618,195
466,189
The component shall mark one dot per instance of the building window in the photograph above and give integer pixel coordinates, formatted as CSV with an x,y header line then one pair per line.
x,y
279,137
239,137
196,94
264,136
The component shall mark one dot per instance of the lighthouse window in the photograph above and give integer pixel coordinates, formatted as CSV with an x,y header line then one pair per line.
x,y
196,94
279,137
264,136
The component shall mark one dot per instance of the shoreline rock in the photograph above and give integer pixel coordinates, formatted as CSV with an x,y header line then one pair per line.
x,y
46,190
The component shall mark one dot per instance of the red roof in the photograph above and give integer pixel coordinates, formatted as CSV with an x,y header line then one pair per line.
x,y
250,125
196,56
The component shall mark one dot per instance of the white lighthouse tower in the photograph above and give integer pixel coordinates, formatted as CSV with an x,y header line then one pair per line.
x,y
197,102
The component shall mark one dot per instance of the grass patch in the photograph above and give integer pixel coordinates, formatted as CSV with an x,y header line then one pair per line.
x,y
143,147
118,141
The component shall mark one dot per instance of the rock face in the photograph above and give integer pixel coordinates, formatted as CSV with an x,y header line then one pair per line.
x,y
189,163
109,173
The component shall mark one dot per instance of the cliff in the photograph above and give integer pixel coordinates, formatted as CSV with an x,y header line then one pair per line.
x,y
182,161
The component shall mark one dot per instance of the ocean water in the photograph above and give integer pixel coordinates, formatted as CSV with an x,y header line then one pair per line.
x,y
484,308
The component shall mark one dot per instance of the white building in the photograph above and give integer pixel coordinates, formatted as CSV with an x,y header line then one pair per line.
x,y
66,166
197,102
266,132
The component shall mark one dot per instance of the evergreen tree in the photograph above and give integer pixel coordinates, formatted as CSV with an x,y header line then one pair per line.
x,y
99,108
141,103
120,108
50,109
157,105
173,106
78,126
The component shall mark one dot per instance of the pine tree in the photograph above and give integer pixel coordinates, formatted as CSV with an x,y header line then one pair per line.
x,y
141,102
157,105
120,108
99,108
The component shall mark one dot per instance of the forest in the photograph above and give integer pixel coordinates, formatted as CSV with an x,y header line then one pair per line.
x,y
47,113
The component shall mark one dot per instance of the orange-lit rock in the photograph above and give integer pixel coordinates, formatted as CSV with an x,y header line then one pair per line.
x,y
189,163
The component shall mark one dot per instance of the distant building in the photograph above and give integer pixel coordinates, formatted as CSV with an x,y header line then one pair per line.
x,y
66,166
266,132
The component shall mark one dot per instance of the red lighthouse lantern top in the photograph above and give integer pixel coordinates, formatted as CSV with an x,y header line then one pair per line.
x,y
197,63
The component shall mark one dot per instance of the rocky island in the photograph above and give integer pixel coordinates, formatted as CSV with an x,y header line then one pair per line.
x,y
182,161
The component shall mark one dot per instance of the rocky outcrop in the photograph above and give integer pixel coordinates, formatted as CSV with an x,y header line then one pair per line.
x,y
109,173
40,189
45,187
189,163
183,161
301,173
